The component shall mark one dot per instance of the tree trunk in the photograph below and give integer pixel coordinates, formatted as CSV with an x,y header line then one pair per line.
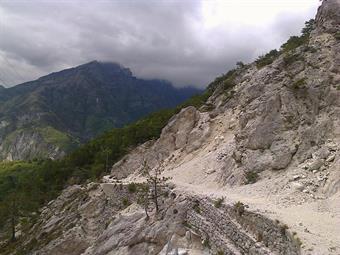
x,y
146,212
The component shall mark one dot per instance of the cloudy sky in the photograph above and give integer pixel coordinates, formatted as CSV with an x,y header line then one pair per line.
x,y
184,41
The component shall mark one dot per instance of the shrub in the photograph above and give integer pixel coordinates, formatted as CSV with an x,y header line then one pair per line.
x,y
251,177
207,107
337,35
206,243
227,79
240,64
259,237
218,202
291,58
196,207
220,252
239,208
283,229
310,49
126,202
299,84
267,59
299,242
132,187
186,224
294,42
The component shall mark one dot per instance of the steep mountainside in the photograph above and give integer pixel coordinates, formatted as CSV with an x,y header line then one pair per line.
x,y
48,116
256,170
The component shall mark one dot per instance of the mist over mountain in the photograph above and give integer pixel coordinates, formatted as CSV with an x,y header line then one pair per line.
x,y
56,112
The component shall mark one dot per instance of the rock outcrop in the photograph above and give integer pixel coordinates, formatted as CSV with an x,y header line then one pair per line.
x,y
277,129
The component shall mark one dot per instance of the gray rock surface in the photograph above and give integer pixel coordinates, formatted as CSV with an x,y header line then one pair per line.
x,y
288,134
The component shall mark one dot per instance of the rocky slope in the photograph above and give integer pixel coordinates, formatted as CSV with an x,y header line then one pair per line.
x,y
269,144
50,116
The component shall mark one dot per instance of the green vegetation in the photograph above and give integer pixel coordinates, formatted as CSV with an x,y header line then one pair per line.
x,y
218,203
296,41
227,79
299,84
283,229
53,136
267,59
156,185
291,58
292,43
186,224
299,242
206,243
337,35
196,207
239,208
132,187
259,237
251,177
126,202
48,133
26,186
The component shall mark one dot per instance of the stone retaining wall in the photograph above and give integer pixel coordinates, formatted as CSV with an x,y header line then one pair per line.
x,y
249,233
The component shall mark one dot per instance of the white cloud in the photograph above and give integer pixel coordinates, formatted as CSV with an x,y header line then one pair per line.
x,y
186,42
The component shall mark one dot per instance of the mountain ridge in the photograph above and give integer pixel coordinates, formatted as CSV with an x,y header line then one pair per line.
x,y
253,168
81,102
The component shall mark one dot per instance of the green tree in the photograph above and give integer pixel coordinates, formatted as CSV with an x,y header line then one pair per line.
x,y
10,207
156,183
309,26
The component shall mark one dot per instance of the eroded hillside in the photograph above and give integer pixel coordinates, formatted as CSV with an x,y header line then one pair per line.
x,y
256,170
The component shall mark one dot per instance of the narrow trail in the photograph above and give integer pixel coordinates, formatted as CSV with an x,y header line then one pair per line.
x,y
313,225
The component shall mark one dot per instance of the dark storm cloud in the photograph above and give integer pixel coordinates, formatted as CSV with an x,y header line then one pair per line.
x,y
169,39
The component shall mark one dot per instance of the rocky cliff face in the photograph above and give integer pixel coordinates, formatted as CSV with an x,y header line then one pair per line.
x,y
49,116
277,130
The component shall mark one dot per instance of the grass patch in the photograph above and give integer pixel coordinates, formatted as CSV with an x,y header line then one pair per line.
x,y
300,84
251,177
337,35
218,203
239,208
126,202
132,187
55,137
206,243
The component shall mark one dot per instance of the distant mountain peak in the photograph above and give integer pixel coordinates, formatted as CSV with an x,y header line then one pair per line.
x,y
77,104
